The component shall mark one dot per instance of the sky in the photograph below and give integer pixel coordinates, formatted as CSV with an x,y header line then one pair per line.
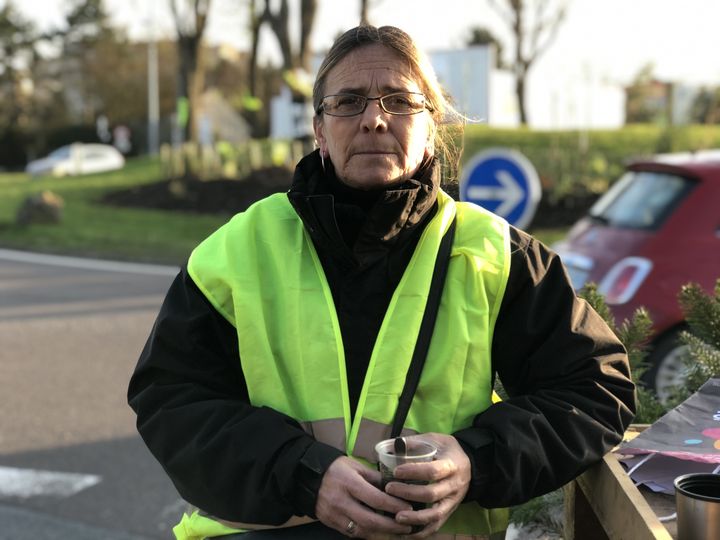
x,y
603,41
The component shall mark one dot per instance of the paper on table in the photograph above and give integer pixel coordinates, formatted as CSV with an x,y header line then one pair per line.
x,y
657,471
685,440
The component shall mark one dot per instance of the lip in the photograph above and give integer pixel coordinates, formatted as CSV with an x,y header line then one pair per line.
x,y
371,152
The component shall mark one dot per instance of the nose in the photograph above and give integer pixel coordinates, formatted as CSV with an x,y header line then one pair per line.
x,y
374,118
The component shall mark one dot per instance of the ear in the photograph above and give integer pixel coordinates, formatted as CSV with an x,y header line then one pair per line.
x,y
318,128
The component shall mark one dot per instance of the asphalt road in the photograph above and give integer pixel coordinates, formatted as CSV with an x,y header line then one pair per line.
x,y
71,462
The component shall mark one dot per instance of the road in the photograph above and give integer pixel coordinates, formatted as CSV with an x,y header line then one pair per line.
x,y
71,462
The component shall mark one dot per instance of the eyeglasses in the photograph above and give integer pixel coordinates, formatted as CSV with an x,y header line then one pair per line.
x,y
401,103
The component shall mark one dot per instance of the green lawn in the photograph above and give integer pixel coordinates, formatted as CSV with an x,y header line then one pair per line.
x,y
92,229
96,230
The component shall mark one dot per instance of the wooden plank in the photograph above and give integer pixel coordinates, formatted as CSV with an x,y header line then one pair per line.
x,y
619,506
580,519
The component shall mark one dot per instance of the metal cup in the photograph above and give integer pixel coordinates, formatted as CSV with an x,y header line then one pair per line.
x,y
697,500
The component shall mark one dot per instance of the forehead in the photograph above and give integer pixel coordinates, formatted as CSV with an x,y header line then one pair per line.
x,y
371,68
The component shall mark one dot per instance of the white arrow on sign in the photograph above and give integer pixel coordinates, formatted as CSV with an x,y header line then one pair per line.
x,y
25,483
508,192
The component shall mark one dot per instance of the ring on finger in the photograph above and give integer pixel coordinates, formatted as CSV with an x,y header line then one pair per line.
x,y
351,526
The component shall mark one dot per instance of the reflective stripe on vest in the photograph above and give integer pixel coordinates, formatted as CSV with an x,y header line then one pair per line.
x,y
261,272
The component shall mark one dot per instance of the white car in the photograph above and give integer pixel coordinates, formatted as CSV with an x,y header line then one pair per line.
x,y
78,158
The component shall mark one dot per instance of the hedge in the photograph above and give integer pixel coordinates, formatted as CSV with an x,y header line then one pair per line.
x,y
572,163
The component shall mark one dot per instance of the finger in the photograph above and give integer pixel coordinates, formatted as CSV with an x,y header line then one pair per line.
x,y
370,475
371,524
432,471
428,520
428,493
379,500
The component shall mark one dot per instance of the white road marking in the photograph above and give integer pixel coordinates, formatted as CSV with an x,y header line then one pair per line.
x,y
88,264
26,483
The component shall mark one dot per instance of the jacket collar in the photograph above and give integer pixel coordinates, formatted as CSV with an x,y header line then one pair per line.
x,y
357,224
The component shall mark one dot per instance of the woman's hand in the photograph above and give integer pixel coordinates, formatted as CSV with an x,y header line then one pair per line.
x,y
449,476
349,501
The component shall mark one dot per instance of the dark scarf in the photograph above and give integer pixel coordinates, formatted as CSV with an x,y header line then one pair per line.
x,y
361,224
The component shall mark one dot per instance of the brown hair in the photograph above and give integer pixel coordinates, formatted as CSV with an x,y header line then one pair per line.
x,y
400,42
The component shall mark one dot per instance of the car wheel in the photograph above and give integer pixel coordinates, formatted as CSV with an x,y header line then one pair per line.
x,y
667,368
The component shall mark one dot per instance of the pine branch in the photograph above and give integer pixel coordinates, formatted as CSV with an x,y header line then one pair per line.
x,y
702,312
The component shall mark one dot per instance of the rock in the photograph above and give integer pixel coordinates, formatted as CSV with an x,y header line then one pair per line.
x,y
44,207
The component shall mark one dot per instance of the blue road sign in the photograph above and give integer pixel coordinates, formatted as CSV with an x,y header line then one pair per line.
x,y
503,181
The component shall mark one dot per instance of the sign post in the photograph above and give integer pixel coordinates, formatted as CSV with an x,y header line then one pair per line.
x,y
504,182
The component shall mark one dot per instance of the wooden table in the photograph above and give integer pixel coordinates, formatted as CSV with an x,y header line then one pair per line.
x,y
604,504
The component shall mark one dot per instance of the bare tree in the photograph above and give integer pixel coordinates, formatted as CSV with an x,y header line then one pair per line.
x,y
533,32
280,24
296,60
365,6
190,18
256,20
364,12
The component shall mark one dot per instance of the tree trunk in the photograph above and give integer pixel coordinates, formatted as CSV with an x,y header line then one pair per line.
x,y
187,88
520,62
191,77
520,93
307,19
279,23
364,12
255,24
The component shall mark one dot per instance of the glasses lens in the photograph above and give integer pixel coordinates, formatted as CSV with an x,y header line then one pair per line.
x,y
343,104
403,103
353,104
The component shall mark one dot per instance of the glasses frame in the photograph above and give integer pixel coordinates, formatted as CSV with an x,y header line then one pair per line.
x,y
379,99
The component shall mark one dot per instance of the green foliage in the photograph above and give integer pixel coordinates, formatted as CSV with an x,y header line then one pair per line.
x,y
634,334
544,512
572,163
702,313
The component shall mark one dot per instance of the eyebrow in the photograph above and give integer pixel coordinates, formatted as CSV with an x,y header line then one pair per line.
x,y
362,92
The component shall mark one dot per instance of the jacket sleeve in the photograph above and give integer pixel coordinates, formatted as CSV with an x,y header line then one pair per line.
x,y
231,459
568,378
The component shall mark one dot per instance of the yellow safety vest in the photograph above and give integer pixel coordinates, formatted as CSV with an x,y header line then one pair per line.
x,y
262,273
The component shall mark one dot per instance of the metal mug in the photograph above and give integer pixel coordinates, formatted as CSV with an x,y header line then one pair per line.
x,y
697,500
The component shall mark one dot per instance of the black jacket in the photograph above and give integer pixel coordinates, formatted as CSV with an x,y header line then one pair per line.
x,y
566,374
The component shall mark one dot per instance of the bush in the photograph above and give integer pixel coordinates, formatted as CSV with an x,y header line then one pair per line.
x,y
702,313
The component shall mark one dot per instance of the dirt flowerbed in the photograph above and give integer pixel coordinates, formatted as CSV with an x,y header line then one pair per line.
x,y
221,196
229,196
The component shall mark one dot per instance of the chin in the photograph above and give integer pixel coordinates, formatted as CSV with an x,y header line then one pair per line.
x,y
371,181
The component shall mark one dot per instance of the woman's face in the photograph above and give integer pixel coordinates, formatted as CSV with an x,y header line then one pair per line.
x,y
374,149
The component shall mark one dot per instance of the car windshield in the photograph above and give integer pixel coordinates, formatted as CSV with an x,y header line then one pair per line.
x,y
62,152
641,199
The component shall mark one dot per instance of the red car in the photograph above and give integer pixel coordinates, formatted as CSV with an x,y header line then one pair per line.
x,y
656,229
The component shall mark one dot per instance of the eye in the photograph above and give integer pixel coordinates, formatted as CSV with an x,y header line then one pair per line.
x,y
403,100
348,100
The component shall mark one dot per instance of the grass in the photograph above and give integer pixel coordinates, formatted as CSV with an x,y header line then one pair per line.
x,y
89,228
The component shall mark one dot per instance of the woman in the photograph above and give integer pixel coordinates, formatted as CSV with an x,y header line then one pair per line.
x,y
277,359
